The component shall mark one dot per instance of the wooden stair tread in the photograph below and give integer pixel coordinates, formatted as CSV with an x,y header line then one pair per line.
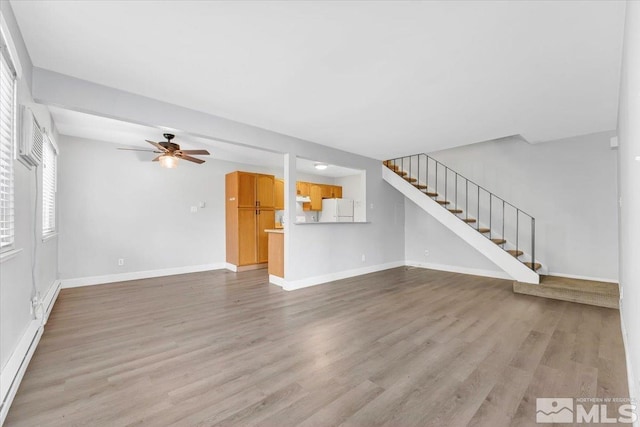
x,y
431,194
401,173
469,220
455,211
498,241
483,230
601,294
515,253
443,202
410,179
391,165
420,186
536,266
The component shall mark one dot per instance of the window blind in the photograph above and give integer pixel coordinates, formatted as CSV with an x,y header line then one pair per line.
x,y
49,183
7,135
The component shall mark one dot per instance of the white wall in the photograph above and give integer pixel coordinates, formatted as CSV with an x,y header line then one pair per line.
x,y
568,185
629,185
118,204
310,250
16,272
115,205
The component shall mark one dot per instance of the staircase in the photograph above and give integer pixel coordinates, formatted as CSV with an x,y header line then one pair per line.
x,y
502,232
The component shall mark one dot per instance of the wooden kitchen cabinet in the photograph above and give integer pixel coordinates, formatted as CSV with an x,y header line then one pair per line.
x,y
327,191
247,236
266,220
245,188
278,194
317,192
302,188
316,197
249,210
265,191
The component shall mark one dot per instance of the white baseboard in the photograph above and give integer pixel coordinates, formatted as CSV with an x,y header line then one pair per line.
x,y
461,270
633,391
276,280
135,275
231,267
575,276
292,285
16,366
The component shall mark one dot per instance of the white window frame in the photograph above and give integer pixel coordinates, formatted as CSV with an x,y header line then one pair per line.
x,y
7,167
49,187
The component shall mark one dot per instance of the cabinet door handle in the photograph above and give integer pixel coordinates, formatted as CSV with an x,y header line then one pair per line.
x,y
257,211
258,203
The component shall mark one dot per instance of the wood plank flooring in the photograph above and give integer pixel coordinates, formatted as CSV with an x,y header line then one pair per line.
x,y
402,347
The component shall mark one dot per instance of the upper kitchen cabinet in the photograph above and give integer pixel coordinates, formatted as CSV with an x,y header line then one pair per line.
x,y
245,188
278,194
265,191
335,193
250,190
303,188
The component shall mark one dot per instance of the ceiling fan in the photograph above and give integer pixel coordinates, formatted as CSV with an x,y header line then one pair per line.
x,y
170,152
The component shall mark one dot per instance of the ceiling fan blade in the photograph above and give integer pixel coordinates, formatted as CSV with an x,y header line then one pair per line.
x,y
139,149
189,158
158,146
199,152
157,158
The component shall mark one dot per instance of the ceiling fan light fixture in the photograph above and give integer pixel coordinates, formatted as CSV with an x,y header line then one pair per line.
x,y
169,162
321,166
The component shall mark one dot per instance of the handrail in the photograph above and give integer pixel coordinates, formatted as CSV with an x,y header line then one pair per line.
x,y
399,161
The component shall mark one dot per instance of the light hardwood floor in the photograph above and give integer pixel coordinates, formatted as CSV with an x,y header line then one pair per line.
x,y
403,347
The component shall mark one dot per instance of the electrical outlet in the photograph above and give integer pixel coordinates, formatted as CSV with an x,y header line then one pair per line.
x,y
194,209
120,262
203,204
371,205
426,252
364,258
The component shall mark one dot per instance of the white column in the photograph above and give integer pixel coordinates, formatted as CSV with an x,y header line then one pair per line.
x,y
629,191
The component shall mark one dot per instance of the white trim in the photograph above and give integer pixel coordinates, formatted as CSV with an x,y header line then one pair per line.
x,y
135,275
318,280
633,391
11,47
49,236
277,280
575,276
462,270
7,255
231,267
16,366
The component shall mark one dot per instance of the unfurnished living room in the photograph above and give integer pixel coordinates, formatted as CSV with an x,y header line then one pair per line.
x,y
319,213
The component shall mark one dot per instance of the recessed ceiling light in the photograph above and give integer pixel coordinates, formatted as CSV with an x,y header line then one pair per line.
x,y
321,166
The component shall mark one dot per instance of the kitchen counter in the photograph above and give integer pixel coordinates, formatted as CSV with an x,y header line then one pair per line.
x,y
276,251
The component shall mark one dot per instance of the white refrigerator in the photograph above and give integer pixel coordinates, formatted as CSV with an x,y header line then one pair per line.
x,y
336,210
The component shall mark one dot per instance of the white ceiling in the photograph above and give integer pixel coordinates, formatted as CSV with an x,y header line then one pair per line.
x,y
332,171
372,77
132,135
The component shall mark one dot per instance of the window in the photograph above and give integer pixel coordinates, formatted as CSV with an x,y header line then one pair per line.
x,y
7,143
49,182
